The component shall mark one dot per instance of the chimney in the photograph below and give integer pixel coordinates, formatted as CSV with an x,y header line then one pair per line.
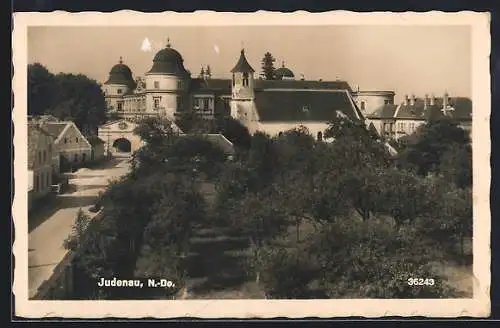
x,y
445,100
426,101
406,100
433,100
302,78
412,101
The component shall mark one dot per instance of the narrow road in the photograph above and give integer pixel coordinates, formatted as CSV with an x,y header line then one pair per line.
x,y
51,226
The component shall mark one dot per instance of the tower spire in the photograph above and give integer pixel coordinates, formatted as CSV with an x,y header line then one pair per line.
x,y
283,63
121,60
168,42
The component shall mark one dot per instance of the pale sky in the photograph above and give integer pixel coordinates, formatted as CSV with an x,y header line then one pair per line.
x,y
405,59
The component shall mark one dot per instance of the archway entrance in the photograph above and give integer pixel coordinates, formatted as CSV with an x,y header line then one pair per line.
x,y
122,145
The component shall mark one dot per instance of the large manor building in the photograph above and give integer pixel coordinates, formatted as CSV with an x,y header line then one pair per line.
x,y
270,106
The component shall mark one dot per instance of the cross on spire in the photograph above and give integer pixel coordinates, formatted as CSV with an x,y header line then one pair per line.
x,y
121,60
168,42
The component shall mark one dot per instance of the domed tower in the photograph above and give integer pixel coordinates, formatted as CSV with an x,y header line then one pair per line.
x,y
284,73
120,82
242,83
166,83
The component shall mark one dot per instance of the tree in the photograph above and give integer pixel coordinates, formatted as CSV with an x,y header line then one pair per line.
x,y
360,260
456,165
268,70
78,230
67,97
451,222
41,89
286,274
81,99
235,132
425,151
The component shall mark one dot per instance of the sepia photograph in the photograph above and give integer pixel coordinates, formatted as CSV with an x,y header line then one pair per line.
x,y
251,165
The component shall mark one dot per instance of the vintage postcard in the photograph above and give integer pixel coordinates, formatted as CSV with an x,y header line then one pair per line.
x,y
251,165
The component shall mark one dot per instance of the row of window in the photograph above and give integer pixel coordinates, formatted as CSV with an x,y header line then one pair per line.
x,y
69,140
319,135
386,102
42,181
156,85
401,127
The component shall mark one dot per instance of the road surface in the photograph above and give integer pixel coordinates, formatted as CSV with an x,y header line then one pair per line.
x,y
52,225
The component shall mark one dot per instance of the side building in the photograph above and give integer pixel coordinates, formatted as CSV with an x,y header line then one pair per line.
x,y
396,121
40,169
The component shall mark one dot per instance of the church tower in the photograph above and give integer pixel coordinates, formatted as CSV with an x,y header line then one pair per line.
x,y
242,81
242,104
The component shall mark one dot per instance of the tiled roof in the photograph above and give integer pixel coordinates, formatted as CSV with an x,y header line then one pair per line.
x,y
386,111
302,84
224,85
211,86
462,109
55,128
34,135
302,105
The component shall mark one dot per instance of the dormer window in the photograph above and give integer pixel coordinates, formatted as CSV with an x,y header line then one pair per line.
x,y
362,105
119,91
156,85
179,84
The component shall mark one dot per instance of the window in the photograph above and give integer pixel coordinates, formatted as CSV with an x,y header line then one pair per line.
x,y
119,91
205,103
320,136
156,84
36,183
44,156
362,105
179,102
65,140
233,80
245,79
179,84
387,102
76,139
39,157
156,101
50,148
119,106
83,157
75,159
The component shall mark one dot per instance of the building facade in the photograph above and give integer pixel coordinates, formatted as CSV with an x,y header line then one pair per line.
x,y
368,101
40,169
399,120
270,106
71,146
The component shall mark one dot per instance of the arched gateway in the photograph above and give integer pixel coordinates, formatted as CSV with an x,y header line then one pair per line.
x,y
119,137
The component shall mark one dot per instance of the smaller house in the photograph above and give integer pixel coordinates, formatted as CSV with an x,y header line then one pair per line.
x,y
40,173
71,145
97,144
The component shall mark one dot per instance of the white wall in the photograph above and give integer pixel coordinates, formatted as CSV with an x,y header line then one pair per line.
x,y
372,101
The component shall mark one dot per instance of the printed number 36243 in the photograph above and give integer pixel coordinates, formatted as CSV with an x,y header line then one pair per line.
x,y
420,282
